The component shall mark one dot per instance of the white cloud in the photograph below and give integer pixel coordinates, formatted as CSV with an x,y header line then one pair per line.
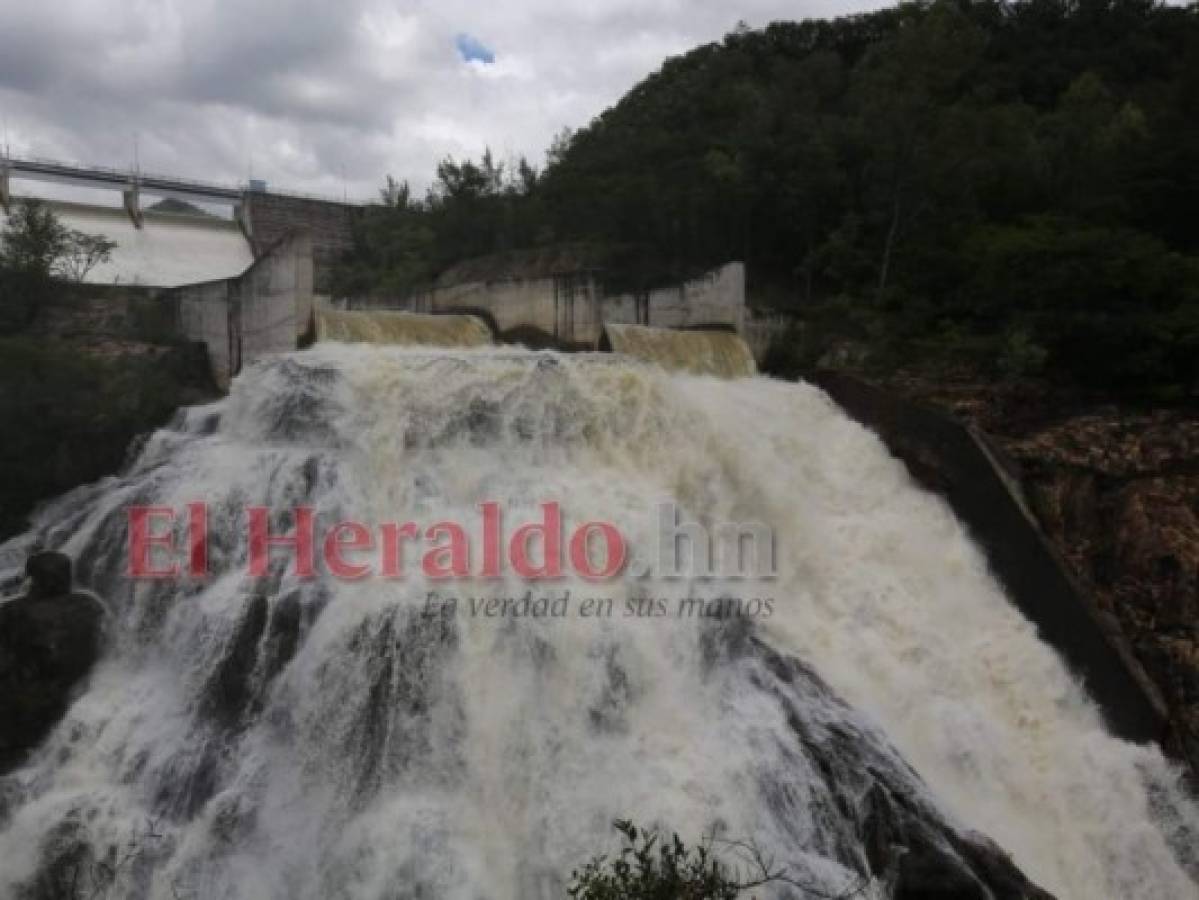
x,y
330,97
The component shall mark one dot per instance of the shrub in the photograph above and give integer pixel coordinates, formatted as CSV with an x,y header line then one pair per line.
x,y
650,867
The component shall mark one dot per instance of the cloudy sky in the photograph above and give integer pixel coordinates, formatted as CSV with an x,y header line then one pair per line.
x,y
330,96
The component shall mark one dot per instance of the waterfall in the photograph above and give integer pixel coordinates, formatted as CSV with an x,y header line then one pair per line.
x,y
401,328
282,737
701,351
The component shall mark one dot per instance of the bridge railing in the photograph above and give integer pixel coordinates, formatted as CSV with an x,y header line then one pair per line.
x,y
34,165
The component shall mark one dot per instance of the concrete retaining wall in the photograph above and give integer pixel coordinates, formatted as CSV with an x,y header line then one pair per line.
x,y
573,308
716,298
262,311
957,463
202,314
274,299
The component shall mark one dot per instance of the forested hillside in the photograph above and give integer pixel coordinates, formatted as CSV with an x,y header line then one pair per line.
x,y
1013,185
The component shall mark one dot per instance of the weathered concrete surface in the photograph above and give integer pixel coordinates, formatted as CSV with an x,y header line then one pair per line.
x,y
274,299
203,313
573,307
957,463
264,310
715,298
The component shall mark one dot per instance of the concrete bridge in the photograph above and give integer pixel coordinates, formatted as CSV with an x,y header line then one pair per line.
x,y
183,248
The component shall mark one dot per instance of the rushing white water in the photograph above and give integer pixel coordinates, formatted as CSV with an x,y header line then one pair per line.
x,y
329,740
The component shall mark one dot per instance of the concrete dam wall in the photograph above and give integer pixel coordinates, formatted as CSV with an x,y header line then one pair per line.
x,y
572,307
207,231
264,310
166,250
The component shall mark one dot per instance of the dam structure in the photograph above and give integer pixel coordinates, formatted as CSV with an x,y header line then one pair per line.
x,y
244,271
221,231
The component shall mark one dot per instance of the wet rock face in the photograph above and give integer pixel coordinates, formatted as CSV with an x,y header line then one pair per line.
x,y
49,639
890,832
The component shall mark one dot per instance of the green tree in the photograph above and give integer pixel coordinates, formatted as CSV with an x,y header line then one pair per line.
x,y
30,248
34,239
81,253
35,249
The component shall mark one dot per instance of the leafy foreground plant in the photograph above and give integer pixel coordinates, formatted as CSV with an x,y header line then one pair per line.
x,y
649,868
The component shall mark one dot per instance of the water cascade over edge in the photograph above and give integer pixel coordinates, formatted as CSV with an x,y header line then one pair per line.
x,y
283,737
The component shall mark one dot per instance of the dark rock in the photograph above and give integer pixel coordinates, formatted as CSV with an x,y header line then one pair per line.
x,y
49,573
229,690
49,639
283,633
891,830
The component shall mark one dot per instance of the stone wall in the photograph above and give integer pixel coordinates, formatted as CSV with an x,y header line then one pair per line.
x,y
269,218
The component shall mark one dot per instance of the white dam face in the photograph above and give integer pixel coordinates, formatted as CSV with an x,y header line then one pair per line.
x,y
294,738
167,251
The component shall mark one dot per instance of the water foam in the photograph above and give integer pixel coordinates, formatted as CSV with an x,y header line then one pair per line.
x,y
317,739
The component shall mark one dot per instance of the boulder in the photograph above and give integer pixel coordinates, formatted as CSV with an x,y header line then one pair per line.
x,y
50,637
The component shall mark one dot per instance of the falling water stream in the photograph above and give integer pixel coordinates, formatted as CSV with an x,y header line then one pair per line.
x,y
284,737
401,328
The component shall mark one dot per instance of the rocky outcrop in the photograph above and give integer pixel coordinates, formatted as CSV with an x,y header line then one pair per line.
x,y
49,639
892,831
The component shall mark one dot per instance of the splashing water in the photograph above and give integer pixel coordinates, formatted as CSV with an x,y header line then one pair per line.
x,y
702,352
401,328
325,738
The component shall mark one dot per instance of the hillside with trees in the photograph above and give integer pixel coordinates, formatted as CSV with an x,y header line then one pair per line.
x,y
1008,185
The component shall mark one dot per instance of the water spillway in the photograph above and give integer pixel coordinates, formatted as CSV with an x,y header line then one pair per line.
x,y
401,328
308,737
700,351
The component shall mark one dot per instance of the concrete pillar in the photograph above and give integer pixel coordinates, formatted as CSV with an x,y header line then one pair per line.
x,y
241,213
133,204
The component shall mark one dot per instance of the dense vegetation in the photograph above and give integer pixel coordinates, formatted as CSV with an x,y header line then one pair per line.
x,y
72,404
1007,184
36,250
